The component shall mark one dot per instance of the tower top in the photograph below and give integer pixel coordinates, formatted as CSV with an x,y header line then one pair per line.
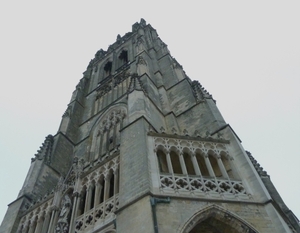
x,y
100,54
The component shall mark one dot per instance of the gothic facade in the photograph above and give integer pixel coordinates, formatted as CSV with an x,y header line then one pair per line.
x,y
143,148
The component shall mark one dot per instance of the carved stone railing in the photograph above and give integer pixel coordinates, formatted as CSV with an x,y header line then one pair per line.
x,y
98,216
201,185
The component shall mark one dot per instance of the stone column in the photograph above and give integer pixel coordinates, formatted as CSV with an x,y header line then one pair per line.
x,y
105,99
19,230
74,211
101,143
53,219
39,226
208,165
99,151
116,181
88,199
97,146
169,163
46,222
114,134
79,200
116,188
182,164
105,193
221,166
97,194
196,165
107,141
106,187
25,227
32,226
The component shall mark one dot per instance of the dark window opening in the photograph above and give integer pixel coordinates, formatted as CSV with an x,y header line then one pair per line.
x,y
102,192
202,165
162,162
215,166
189,164
175,163
107,68
82,203
111,186
93,190
123,57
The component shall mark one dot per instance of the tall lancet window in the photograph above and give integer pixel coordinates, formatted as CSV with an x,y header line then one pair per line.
x,y
106,135
123,58
108,68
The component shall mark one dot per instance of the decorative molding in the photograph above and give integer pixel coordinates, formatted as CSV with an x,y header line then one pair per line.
x,y
111,83
114,117
136,84
44,153
199,92
257,166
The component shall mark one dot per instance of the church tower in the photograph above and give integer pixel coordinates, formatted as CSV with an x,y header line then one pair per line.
x,y
143,148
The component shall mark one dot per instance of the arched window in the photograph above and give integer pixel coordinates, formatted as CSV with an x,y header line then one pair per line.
x,y
175,163
102,183
202,165
227,165
215,165
189,164
108,68
123,58
111,185
92,190
105,136
162,162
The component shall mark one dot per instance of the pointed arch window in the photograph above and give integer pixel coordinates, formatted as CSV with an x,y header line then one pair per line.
x,y
214,163
123,57
98,196
189,164
162,161
105,138
108,68
177,169
202,166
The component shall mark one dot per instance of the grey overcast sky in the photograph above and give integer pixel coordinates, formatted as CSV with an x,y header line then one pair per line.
x,y
245,53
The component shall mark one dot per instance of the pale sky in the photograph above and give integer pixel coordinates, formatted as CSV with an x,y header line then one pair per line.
x,y
246,54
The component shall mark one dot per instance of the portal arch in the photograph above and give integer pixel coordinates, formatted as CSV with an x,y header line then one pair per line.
x,y
215,219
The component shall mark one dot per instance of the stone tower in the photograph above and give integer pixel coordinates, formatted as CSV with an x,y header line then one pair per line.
x,y
143,148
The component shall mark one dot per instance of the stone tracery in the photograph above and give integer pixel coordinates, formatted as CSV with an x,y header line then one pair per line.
x,y
197,167
106,137
95,199
99,196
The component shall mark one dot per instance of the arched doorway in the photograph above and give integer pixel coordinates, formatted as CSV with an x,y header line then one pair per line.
x,y
212,225
215,219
